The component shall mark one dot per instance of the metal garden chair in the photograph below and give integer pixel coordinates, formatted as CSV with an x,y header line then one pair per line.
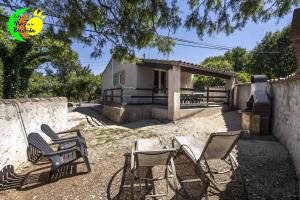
x,y
218,146
58,158
149,153
66,142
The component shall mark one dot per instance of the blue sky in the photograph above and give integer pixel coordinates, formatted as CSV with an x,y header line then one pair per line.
x,y
248,37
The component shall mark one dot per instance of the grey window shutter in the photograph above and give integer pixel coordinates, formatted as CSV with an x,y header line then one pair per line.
x,y
122,81
115,79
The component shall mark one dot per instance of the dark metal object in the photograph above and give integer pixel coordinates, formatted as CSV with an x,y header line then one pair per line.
x,y
57,158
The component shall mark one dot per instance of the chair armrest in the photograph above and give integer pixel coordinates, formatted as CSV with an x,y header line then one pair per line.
x,y
74,149
67,140
70,131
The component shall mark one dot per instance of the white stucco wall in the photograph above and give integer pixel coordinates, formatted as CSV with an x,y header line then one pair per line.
x,y
145,79
241,95
186,80
107,80
114,67
33,112
286,117
130,77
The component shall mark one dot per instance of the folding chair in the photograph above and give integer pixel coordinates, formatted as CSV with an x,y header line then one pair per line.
x,y
149,153
218,146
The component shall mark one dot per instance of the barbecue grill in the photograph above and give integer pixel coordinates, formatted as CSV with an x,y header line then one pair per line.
x,y
256,116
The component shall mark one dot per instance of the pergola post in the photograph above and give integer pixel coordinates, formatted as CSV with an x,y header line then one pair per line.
x,y
230,87
295,37
174,93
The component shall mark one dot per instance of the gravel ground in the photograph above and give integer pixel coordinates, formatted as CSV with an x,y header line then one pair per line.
x,y
265,165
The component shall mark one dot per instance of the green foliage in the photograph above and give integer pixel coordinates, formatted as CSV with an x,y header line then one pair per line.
x,y
214,16
84,85
238,57
244,77
21,59
218,62
129,25
43,86
274,56
79,85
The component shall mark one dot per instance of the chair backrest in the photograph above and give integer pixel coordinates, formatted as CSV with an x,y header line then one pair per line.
x,y
154,158
219,145
150,152
38,142
49,131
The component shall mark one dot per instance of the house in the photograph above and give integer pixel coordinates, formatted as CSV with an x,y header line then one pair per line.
x,y
160,89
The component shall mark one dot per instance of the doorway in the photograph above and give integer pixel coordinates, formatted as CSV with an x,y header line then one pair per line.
x,y
160,81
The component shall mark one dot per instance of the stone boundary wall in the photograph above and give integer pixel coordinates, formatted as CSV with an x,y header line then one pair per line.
x,y
20,117
285,118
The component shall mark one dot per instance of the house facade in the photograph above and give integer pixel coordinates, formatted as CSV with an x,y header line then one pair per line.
x,y
157,89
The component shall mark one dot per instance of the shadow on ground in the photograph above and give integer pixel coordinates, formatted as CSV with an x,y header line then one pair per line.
x,y
190,185
93,115
38,177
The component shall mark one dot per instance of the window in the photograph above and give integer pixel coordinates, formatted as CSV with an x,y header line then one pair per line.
x,y
119,78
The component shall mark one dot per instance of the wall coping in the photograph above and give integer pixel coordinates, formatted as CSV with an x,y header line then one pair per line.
x,y
292,77
25,100
243,84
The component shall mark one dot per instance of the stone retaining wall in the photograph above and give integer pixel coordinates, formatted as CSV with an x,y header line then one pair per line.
x,y
20,117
